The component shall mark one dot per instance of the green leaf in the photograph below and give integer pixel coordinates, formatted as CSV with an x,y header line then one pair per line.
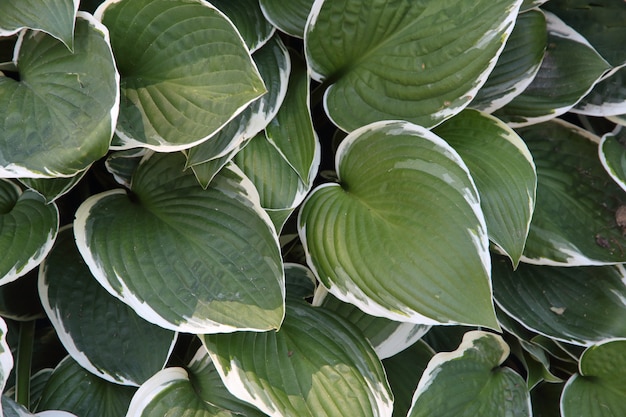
x,y
418,61
185,71
249,20
55,17
185,258
291,131
444,390
170,393
386,336
73,389
504,172
545,399
403,372
102,334
300,281
562,303
11,408
601,22
61,114
6,358
574,222
558,85
28,227
52,188
599,390
401,186
274,65
518,64
289,17
122,164
316,365
607,98
530,4
613,156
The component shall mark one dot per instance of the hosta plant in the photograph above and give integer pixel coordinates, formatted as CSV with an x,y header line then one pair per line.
x,y
312,208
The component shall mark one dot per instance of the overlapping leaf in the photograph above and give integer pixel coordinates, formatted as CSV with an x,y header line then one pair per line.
x,y
599,389
28,227
504,172
607,98
11,408
316,365
562,303
418,61
73,389
55,17
52,188
494,390
59,118
558,85
574,222
182,257
185,71
401,235
612,153
249,20
290,17
517,64
102,334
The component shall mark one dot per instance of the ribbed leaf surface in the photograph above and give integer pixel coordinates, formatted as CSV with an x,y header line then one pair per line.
x,y
420,61
562,303
504,172
55,17
28,227
249,21
182,257
599,390
316,365
185,71
102,334
444,390
61,114
402,234
575,221
290,17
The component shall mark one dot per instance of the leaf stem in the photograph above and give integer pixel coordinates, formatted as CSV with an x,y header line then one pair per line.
x,y
23,362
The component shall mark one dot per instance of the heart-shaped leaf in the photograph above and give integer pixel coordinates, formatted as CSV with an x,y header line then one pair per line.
x,y
494,391
171,393
599,389
73,389
182,257
185,71
558,85
290,17
102,334
575,220
504,172
601,22
28,227
517,65
290,372
561,303
417,61
55,17
59,117
249,20
402,234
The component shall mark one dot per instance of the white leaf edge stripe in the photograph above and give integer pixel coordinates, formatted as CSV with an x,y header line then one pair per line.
x,y
153,387
506,25
6,358
403,336
36,258
79,176
9,32
190,325
268,16
432,369
556,27
352,294
13,170
66,338
574,255
260,119
605,163
235,377
577,342
580,374
165,146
